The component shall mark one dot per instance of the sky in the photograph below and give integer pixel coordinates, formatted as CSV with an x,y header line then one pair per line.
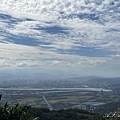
x,y
59,38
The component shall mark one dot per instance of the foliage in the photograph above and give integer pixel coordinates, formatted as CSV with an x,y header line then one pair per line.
x,y
16,112
109,107
68,114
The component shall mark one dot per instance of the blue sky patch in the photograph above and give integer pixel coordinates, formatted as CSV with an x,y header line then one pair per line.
x,y
53,29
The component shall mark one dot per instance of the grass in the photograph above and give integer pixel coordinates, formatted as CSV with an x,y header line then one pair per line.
x,y
57,100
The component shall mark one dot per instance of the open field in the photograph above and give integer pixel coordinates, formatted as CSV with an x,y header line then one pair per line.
x,y
57,98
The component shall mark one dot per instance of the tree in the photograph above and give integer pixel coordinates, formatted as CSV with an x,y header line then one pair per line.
x,y
16,112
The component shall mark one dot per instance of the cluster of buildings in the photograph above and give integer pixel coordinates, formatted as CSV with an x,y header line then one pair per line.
x,y
115,114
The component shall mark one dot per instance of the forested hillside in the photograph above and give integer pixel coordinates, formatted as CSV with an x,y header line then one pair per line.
x,y
18,112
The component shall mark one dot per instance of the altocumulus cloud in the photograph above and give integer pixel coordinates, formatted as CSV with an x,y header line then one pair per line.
x,y
79,36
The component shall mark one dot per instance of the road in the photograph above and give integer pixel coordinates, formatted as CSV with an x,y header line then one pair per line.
x,y
48,104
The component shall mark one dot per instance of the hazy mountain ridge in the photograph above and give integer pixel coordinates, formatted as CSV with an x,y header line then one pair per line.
x,y
106,80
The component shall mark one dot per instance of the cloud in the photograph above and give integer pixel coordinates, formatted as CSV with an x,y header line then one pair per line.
x,y
55,7
72,34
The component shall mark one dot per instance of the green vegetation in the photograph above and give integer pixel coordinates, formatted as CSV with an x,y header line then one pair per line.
x,y
16,112
109,107
58,100
68,114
